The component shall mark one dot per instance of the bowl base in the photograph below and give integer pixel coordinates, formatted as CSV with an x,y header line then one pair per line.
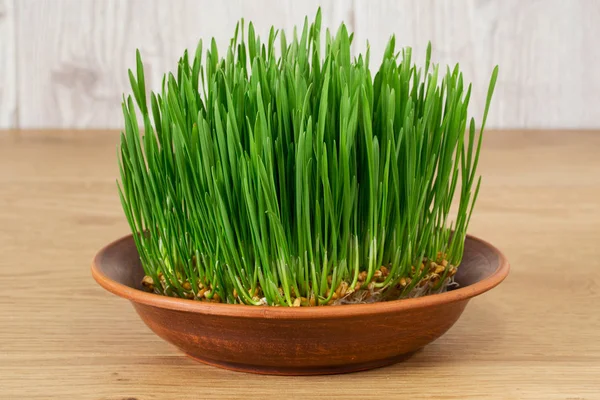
x,y
304,371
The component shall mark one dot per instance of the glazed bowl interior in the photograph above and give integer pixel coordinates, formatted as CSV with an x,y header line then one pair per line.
x,y
118,269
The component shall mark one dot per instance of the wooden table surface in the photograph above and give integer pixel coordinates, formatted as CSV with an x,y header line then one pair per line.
x,y
536,336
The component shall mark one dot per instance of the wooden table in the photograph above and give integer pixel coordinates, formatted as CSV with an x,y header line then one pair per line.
x,y
536,336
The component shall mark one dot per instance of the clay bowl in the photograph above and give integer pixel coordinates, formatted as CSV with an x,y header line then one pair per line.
x,y
299,341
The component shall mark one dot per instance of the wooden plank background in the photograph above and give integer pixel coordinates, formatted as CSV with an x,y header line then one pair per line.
x,y
63,63
8,77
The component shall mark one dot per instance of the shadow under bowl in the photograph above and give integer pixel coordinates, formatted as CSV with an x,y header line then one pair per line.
x,y
302,340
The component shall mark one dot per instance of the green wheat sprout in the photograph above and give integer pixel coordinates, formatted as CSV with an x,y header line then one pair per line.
x,y
291,176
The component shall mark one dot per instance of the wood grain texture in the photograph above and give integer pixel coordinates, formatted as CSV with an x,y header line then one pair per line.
x,y
547,52
533,337
8,61
73,55
85,47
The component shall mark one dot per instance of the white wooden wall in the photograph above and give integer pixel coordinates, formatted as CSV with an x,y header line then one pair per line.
x,y
63,63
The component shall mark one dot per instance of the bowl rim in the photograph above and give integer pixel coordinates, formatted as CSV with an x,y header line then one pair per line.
x,y
261,312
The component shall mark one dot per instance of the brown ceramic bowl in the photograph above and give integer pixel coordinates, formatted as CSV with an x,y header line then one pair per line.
x,y
299,341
